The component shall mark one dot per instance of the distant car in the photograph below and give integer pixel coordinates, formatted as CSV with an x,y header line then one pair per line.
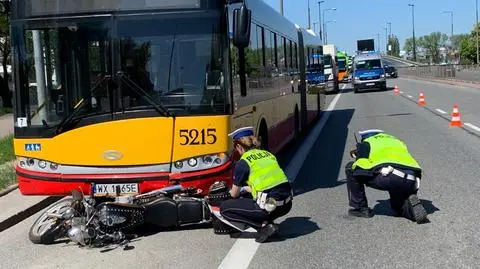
x,y
391,71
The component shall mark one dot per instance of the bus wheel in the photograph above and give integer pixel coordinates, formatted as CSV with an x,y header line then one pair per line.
x,y
263,135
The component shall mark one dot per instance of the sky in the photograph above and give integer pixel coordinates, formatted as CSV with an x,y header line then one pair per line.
x,y
365,19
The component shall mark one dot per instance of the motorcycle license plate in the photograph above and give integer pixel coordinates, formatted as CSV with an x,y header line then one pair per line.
x,y
111,189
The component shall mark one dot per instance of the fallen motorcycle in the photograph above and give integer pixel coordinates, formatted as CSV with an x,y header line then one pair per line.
x,y
90,222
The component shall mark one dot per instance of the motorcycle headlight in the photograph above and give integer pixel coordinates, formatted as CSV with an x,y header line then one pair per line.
x,y
200,163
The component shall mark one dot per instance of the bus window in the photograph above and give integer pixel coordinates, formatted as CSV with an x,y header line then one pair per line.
x,y
269,51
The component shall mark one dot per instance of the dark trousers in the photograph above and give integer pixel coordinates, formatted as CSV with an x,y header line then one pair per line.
x,y
398,188
247,211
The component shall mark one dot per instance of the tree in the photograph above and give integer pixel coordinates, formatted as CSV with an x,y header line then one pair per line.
x,y
468,50
5,92
408,46
432,43
395,46
467,47
457,39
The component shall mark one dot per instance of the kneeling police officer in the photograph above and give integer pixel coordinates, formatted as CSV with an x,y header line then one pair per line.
x,y
258,173
383,162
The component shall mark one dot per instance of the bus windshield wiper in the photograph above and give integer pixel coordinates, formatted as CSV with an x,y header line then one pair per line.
x,y
137,89
78,107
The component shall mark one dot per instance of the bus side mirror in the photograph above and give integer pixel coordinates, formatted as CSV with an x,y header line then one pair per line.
x,y
242,18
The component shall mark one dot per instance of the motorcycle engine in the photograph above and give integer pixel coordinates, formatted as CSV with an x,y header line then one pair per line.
x,y
79,233
114,217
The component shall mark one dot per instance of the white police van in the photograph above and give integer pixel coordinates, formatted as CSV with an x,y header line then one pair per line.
x,y
368,71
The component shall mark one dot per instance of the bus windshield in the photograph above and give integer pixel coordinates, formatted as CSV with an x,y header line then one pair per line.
x,y
327,60
86,65
368,64
341,64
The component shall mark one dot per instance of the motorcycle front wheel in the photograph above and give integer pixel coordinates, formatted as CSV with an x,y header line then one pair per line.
x,y
45,230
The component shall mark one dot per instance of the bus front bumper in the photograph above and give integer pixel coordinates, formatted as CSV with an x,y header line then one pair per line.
x,y
37,183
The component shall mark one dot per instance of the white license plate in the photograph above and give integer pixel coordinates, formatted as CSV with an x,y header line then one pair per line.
x,y
112,189
370,84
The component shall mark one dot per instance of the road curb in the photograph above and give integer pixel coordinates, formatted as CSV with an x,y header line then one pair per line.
x,y
8,190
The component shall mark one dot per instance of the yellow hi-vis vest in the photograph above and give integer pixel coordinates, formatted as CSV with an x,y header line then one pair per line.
x,y
265,172
386,149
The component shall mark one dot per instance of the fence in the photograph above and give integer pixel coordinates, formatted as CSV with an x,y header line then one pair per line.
x,y
430,71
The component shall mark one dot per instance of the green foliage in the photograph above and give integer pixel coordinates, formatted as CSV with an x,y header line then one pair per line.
x,y
7,176
393,41
6,149
432,43
5,110
408,46
468,50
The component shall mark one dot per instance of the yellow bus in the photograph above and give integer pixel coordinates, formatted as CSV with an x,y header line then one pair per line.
x,y
127,97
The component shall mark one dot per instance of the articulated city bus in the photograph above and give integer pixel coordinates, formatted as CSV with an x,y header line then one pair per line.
x,y
123,97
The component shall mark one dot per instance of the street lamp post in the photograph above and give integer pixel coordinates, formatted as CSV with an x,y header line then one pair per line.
x,y
324,28
281,7
476,30
386,39
309,25
389,36
413,33
314,26
320,19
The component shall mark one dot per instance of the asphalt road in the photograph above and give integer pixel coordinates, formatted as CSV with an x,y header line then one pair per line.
x,y
318,233
440,98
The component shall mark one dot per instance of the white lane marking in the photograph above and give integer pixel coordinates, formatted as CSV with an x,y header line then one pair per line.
x,y
409,96
243,250
472,126
441,111
401,92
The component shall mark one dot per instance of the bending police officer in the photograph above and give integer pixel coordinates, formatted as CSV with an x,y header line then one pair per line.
x,y
383,162
258,173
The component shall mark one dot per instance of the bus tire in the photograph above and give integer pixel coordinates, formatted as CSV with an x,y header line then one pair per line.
x,y
263,135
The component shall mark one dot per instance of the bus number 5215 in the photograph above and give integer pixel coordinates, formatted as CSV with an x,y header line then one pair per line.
x,y
198,137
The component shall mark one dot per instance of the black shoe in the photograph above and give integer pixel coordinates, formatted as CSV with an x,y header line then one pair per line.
x,y
361,212
265,232
416,207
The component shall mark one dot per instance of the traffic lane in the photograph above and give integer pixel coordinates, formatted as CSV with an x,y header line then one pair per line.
x,y
161,250
186,248
441,97
318,233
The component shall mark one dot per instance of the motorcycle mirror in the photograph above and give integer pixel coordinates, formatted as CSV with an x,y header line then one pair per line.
x,y
77,195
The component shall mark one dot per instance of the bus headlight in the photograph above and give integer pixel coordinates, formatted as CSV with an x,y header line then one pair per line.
x,y
200,163
36,164
192,162
42,164
178,165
